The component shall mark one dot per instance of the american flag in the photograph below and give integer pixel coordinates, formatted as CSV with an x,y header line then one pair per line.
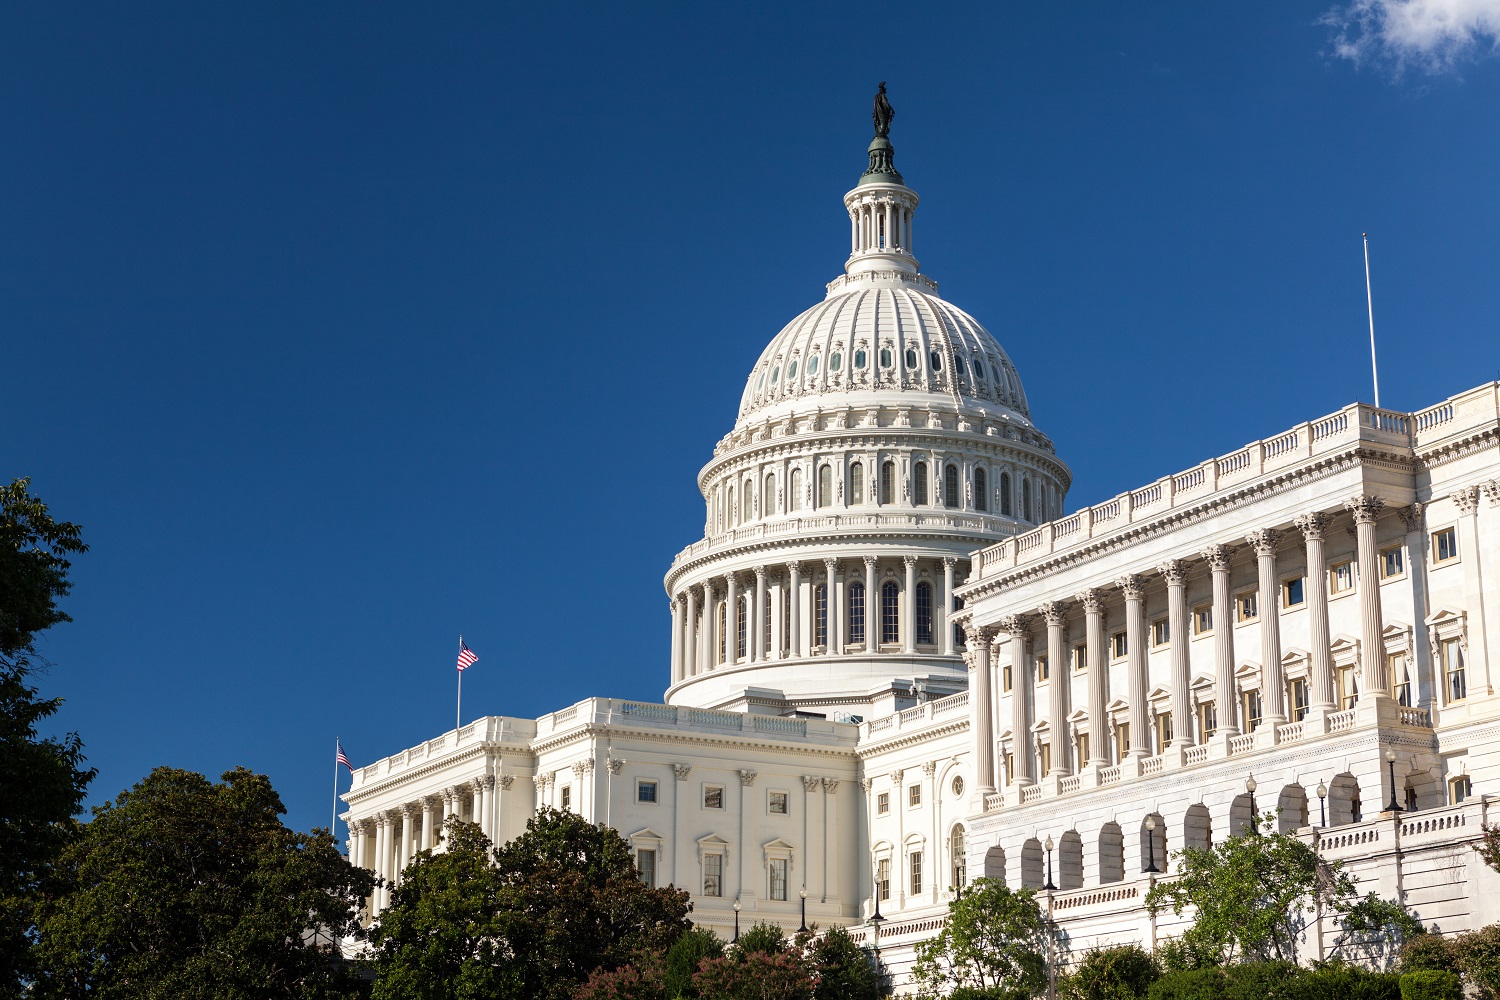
x,y
466,657
342,758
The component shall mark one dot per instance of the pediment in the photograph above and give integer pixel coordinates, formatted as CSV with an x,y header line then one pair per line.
x,y
645,834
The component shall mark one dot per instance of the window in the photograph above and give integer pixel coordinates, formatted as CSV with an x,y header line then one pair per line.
x,y
1161,632
723,635
1459,789
860,358
776,803
812,365
1122,741
1356,808
1296,698
1083,748
887,482
1005,678
794,495
957,848
713,874
1080,657
1250,701
911,358
916,873
1043,669
645,791
1400,679
733,510
1247,606
958,785
1444,545
778,878
765,626
1454,681
713,796
886,357
1010,767
1118,646
1026,500
913,795
1348,684
1044,758
856,613
1392,562
768,496
981,489
950,486
775,374
890,612
856,484
1163,731
883,877
924,614
919,484
1203,619
937,361
1208,719
820,615
791,371
742,612
645,865
1411,799
825,486
747,504
1291,592
567,797
1341,577
835,361
883,803
1005,493
959,366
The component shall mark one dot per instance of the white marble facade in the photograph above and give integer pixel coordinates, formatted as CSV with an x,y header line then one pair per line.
x,y
895,663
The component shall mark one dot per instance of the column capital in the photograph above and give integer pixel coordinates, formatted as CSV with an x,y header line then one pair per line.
x,y
541,780
869,562
1055,613
1466,499
582,767
811,782
682,771
1264,541
930,769
832,785
1492,491
1174,571
978,635
897,775
506,780
747,777
1411,517
1218,557
1314,526
866,784
477,784
1130,585
760,574
831,565
1364,508
489,781
1016,626
615,764
950,562
909,561
795,566
1092,601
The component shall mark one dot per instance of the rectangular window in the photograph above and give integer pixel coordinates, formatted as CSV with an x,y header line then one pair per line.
x,y
887,482
645,864
1400,681
1247,606
778,878
1444,545
1161,632
1010,767
856,613
645,791
1203,619
1122,741
743,601
713,874
713,796
567,797
1163,731
1291,592
883,878
1341,577
1251,701
1118,646
820,615
1348,682
1455,681
1296,698
1083,748
916,873
913,795
890,613
1208,719
1043,669
777,803
1005,678
1392,562
1080,657
919,484
1044,758
883,803
924,615
1459,789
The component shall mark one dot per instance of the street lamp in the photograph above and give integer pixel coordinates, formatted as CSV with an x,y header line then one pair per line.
x,y
803,928
1049,886
736,920
1322,803
1254,820
1151,846
1390,759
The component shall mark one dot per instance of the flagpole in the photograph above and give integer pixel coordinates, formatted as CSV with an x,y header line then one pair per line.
x,y
333,822
458,716
1370,304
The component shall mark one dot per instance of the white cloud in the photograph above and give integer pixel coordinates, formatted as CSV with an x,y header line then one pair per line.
x,y
1431,35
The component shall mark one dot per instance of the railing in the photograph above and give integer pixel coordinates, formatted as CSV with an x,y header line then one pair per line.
x,y
1416,825
717,720
1109,775
1433,416
1190,480
1291,732
1234,463
993,801
880,725
1388,420
1068,526
1329,426
1243,743
1340,722
1152,765
654,713
952,703
1030,793
1070,783
1195,755
1145,497
1418,718
1278,446
912,714
1335,841
775,724
565,715
1096,896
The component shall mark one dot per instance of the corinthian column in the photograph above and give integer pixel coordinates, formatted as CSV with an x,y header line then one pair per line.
x,y
732,619
1098,666
872,608
1226,699
794,619
1055,613
834,607
1272,685
1175,574
1314,529
676,640
1020,695
982,726
757,628
945,639
1373,683
1137,683
690,635
909,605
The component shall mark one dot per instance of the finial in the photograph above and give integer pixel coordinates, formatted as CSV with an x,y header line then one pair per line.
x,y
883,113
882,153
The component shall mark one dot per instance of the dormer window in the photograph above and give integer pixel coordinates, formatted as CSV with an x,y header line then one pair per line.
x,y
886,358
860,358
835,361
937,361
791,371
812,365
911,358
958,363
775,375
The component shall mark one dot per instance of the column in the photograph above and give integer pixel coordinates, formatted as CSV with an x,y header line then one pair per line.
x,y
707,640
981,718
378,865
487,806
1098,663
1321,694
356,844
909,605
690,635
1373,683
1480,604
1272,684
757,623
428,833
831,836
677,671
1175,574
503,784
409,813
732,619
795,647
835,607
1226,698
947,606
1020,695
1137,685
1421,667
872,608
1055,613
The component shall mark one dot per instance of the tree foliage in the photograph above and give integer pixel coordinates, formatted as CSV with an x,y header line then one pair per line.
x,y
756,975
1125,972
33,567
995,941
843,970
184,888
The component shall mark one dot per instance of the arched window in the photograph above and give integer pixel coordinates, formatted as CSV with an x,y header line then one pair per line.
x,y
856,613
919,484
1005,493
887,482
820,615
768,496
958,630
981,501
1111,852
741,615
950,486
957,849
924,614
722,631
765,628
1026,500
747,503
794,495
890,612
856,484
732,509
825,486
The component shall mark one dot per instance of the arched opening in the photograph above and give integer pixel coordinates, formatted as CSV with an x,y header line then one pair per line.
x,y
820,615
794,495
1005,493
1111,852
1292,809
887,482
747,504
950,486
1033,865
924,614
919,484
1153,843
957,855
1026,500
1240,817
1197,828
825,486
768,495
723,633
1070,861
981,491
856,613
733,510
890,612
994,864
1344,805
743,614
856,484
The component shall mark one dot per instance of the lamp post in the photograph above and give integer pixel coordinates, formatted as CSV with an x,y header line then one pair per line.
x,y
736,920
1322,803
1049,886
1254,820
1390,759
1151,846
803,928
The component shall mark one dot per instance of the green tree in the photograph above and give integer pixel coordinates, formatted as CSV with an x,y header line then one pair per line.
x,y
995,943
1373,932
1121,973
843,970
186,889
684,957
756,975
42,781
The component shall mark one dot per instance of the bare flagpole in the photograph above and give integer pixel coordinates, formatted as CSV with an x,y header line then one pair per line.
x,y
1370,304
459,715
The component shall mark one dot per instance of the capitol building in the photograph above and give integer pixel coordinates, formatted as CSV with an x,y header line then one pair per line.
x,y
899,662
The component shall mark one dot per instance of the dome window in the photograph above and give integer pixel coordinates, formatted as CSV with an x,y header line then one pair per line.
x,y
979,370
886,360
775,375
812,365
958,363
996,370
835,362
911,358
791,371
937,361
860,358
762,383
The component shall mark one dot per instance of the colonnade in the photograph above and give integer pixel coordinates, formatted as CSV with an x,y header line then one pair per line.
x,y
1017,631
880,223
806,601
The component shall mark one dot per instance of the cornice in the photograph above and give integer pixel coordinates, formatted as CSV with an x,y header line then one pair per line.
x,y
431,767
790,547
679,737
909,738
1451,451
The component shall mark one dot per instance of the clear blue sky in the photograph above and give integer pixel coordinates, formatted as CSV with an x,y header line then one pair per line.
x,y
347,329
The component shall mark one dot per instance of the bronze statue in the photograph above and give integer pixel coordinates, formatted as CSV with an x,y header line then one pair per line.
x,y
883,113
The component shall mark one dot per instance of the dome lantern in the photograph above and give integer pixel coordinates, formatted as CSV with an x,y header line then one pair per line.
x,y
881,207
